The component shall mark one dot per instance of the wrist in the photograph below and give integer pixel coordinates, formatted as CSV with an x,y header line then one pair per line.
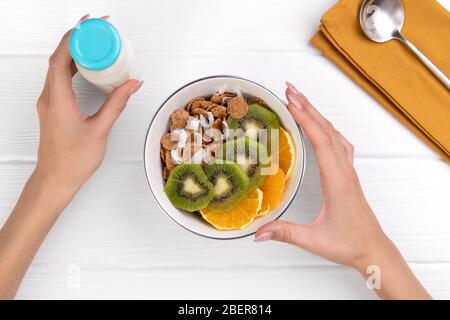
x,y
387,272
52,187
375,253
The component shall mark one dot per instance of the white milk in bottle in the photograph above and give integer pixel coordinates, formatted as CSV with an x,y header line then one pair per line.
x,y
101,54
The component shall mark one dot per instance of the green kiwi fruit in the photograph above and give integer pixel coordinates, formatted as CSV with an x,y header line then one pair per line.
x,y
249,154
257,117
188,188
230,186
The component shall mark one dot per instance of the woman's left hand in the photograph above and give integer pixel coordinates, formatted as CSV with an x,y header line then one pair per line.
x,y
72,145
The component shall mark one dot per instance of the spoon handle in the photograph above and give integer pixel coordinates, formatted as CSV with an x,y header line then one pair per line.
x,y
430,65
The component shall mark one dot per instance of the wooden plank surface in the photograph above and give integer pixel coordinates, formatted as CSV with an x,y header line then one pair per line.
x,y
113,241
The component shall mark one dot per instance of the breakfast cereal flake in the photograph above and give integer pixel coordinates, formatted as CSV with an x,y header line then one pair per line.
x,y
222,97
195,103
169,141
208,105
199,111
219,111
237,107
258,101
217,98
165,173
169,162
179,118
218,124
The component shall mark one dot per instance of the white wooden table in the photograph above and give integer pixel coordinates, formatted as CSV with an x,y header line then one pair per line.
x,y
113,241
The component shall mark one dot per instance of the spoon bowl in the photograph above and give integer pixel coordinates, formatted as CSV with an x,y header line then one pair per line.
x,y
381,20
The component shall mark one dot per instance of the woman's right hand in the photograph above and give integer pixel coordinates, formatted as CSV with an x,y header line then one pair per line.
x,y
345,230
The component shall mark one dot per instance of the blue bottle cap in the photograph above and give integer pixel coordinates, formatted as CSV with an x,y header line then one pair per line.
x,y
95,44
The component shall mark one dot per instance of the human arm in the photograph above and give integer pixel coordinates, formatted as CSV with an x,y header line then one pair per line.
x,y
72,146
345,230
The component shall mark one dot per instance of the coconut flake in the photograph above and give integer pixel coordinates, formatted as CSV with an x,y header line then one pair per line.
x,y
215,134
176,155
210,118
207,135
204,123
197,139
225,99
222,89
207,158
198,156
182,136
193,123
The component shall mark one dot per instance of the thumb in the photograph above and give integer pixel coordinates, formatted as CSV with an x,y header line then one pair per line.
x,y
297,234
115,104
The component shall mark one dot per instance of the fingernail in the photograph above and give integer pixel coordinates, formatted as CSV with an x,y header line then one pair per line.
x,y
266,236
295,102
83,18
294,90
136,87
105,17
292,87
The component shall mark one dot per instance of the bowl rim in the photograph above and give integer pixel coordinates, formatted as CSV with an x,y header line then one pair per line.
x,y
302,141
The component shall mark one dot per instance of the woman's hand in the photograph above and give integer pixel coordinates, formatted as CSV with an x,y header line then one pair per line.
x,y
72,145
346,230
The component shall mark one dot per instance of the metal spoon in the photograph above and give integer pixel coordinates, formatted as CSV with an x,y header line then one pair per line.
x,y
382,20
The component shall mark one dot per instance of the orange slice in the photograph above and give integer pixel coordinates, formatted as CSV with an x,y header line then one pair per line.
x,y
239,217
265,208
286,153
273,188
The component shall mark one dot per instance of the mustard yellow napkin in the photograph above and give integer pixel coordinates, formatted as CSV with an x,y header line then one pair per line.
x,y
390,72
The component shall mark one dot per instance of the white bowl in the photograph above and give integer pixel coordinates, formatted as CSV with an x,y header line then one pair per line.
x,y
160,125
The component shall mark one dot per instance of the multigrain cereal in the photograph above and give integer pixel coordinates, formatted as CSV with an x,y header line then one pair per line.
x,y
194,103
237,107
257,100
169,141
217,98
169,161
222,98
219,111
218,124
179,118
198,112
197,129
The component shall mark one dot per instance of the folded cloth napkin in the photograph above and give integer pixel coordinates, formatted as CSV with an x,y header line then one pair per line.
x,y
393,75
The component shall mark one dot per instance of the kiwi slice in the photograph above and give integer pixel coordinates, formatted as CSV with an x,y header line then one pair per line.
x,y
249,154
257,117
230,186
188,188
